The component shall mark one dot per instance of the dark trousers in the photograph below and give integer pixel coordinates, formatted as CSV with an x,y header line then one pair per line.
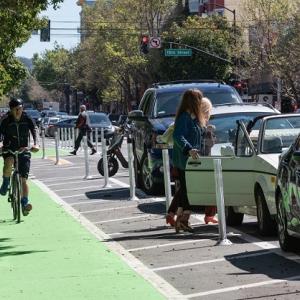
x,y
183,200
82,133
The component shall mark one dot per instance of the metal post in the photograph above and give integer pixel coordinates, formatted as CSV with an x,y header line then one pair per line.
x,y
167,177
43,144
65,137
104,159
223,241
86,158
59,135
91,135
69,137
56,137
96,137
131,172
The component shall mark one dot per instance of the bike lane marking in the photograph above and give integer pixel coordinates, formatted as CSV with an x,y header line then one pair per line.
x,y
158,282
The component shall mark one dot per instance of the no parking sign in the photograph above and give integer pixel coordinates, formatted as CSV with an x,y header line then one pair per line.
x,y
155,42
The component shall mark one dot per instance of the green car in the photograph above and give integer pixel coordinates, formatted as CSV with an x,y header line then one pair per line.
x,y
288,198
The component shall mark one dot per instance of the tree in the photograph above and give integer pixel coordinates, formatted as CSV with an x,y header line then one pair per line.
x,y
274,41
17,20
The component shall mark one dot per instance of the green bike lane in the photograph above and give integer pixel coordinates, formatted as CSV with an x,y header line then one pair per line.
x,y
52,256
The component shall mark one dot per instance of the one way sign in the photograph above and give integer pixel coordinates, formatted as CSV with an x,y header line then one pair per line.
x,y
155,42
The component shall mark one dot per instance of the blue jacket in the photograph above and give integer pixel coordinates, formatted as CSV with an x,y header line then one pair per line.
x,y
187,135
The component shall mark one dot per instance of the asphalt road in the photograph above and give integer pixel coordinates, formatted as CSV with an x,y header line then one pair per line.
x,y
183,266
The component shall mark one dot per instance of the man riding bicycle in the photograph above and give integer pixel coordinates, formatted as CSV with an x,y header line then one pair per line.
x,y
14,129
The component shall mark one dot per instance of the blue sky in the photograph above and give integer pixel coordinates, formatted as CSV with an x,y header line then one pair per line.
x,y
67,16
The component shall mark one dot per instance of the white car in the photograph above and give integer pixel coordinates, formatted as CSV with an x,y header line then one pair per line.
x,y
249,164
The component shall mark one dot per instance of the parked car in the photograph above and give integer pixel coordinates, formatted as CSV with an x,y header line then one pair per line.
x,y
156,112
35,115
66,123
49,127
288,198
101,120
249,173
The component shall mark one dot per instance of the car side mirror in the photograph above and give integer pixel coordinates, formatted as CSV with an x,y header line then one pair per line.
x,y
296,157
136,115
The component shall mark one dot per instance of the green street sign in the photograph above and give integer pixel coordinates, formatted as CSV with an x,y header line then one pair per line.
x,y
178,52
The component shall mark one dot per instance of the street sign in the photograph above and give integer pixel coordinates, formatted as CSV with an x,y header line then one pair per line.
x,y
155,42
178,52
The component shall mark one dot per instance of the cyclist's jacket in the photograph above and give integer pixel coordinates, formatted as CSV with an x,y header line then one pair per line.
x,y
15,134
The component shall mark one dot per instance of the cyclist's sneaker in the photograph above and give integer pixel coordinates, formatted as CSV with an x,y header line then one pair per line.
x,y
26,209
4,187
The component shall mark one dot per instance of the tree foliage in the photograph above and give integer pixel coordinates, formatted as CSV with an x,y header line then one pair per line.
x,y
274,41
17,20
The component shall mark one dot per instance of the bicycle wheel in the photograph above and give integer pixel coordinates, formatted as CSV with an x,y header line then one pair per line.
x,y
16,198
11,200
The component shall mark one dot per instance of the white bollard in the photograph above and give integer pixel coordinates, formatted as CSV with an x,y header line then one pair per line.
x,y
43,144
86,158
96,137
56,137
131,172
104,159
223,241
73,137
167,177
68,138
65,137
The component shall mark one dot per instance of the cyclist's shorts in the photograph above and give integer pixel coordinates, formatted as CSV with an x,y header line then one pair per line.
x,y
24,163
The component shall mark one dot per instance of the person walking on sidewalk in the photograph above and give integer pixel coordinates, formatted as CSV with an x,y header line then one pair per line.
x,y
14,129
82,124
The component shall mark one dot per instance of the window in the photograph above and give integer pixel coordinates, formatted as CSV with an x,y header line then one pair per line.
x,y
243,147
147,104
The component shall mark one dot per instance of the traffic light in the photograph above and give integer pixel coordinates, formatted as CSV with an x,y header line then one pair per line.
x,y
45,33
144,48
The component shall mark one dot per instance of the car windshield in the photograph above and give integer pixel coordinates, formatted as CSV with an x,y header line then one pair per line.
x,y
226,124
167,103
99,119
279,133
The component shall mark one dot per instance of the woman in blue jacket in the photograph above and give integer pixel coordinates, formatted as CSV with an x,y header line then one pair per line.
x,y
190,125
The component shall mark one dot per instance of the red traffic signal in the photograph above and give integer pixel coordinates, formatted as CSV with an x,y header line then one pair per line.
x,y
144,44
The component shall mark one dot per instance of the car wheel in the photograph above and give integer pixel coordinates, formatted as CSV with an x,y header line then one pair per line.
x,y
148,184
233,218
287,242
266,225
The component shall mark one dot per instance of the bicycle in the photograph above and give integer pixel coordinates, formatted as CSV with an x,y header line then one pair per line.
x,y
15,187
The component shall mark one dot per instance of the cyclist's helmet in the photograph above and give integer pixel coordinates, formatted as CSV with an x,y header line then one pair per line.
x,y
14,102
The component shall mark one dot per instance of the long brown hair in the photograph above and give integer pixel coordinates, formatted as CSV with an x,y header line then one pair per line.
x,y
191,102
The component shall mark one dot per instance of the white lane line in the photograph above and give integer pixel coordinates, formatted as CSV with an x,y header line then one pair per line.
x,y
204,262
120,183
241,287
116,233
128,218
107,209
166,245
158,282
81,188
89,202
55,179
71,182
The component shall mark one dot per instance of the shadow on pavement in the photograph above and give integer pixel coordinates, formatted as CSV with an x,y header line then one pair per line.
x,y
265,263
14,253
109,194
152,208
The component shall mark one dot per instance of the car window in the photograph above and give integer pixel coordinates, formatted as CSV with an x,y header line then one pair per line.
x,y
226,124
99,118
147,104
168,102
279,133
243,147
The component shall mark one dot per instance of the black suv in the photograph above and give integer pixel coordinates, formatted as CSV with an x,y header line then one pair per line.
x,y
156,112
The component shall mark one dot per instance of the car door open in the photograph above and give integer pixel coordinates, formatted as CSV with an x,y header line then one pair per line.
x,y
237,172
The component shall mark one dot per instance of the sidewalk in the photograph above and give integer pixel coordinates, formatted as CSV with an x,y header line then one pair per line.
x,y
51,256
